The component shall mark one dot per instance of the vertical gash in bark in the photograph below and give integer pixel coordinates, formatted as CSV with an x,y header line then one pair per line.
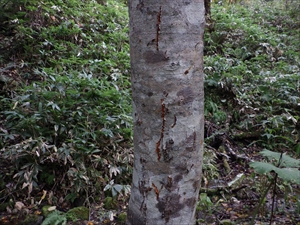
x,y
166,51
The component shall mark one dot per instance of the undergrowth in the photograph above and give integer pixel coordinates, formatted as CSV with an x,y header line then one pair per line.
x,y
252,59
65,98
252,69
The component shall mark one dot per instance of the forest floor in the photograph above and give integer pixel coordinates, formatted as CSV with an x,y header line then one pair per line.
x,y
231,198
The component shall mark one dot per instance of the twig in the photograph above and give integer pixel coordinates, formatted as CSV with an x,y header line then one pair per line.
x,y
242,157
238,189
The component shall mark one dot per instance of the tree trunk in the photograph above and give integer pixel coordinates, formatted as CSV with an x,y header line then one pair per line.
x,y
166,51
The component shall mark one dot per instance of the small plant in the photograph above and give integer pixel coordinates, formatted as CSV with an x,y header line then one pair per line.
x,y
205,203
117,189
284,167
55,218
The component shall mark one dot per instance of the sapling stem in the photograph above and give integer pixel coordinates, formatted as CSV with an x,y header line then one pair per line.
x,y
274,189
260,202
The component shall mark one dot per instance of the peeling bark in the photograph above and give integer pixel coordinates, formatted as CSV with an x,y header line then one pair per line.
x,y
166,51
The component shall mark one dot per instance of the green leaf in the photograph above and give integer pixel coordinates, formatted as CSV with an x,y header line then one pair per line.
x,y
118,188
286,160
287,174
107,132
262,167
297,148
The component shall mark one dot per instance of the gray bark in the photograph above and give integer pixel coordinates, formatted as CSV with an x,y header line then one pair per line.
x,y
166,51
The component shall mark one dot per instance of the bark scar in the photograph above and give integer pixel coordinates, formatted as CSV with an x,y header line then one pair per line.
x,y
194,141
156,191
158,28
169,183
163,114
188,70
175,120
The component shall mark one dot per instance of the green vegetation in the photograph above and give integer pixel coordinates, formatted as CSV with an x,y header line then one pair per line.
x,y
122,218
56,218
78,213
65,120
252,58
252,68
283,166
